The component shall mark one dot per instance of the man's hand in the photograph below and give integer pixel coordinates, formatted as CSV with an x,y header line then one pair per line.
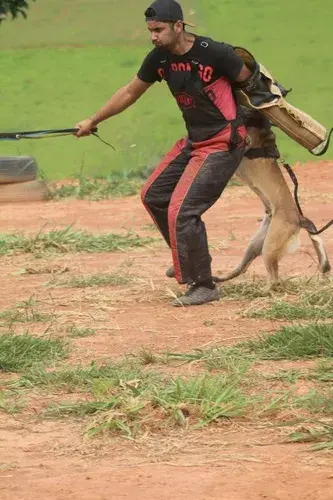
x,y
85,127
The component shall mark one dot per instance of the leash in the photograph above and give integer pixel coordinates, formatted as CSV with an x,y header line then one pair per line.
x,y
42,134
293,177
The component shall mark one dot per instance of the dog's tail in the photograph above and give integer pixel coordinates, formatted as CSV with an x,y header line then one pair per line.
x,y
317,243
307,224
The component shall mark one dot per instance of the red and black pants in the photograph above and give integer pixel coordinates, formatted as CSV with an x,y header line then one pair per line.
x,y
187,182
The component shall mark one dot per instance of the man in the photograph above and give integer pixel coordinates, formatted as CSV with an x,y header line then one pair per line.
x,y
191,177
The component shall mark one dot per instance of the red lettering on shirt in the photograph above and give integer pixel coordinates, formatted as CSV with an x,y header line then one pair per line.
x,y
185,101
205,72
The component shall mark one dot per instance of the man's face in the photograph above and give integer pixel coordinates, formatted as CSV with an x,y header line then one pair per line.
x,y
164,35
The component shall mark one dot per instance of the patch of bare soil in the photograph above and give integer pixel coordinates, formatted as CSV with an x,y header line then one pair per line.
x,y
52,460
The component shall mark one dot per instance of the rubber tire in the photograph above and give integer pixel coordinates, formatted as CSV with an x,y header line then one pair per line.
x,y
24,192
15,169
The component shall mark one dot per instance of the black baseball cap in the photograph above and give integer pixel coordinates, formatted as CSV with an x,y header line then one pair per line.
x,y
165,11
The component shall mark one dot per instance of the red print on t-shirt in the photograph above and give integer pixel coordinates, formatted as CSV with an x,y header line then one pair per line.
x,y
185,101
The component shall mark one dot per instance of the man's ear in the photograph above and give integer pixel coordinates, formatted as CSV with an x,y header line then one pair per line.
x,y
178,27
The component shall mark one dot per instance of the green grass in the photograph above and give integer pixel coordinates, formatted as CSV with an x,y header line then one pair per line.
x,y
94,378
311,291
291,312
136,398
317,401
96,189
131,399
136,404
246,290
293,300
94,280
293,342
89,64
65,157
10,402
211,397
77,332
81,409
322,372
69,240
147,357
319,433
20,352
232,361
289,342
24,312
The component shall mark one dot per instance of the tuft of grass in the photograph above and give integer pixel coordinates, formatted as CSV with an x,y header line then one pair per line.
x,y
209,397
25,312
76,332
68,240
246,290
80,409
288,376
126,420
200,400
324,371
20,352
229,360
320,434
291,312
99,188
314,301
257,288
293,342
10,403
94,280
55,269
85,378
290,342
318,402
126,397
147,357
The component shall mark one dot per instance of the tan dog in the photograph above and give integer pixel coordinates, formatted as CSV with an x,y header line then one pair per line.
x,y
280,227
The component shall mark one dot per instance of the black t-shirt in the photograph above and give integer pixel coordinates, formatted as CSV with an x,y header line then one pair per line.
x,y
217,58
207,110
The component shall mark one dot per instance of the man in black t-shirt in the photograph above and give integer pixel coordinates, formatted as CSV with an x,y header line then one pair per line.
x,y
191,177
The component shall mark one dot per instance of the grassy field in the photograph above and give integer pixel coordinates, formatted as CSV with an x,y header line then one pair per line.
x,y
68,58
135,394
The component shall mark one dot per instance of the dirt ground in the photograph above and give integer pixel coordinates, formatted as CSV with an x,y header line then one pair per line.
x,y
53,460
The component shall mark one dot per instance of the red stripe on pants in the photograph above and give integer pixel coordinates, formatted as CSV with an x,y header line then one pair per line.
x,y
167,159
177,199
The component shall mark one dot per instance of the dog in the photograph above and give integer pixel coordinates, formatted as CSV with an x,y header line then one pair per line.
x,y
279,230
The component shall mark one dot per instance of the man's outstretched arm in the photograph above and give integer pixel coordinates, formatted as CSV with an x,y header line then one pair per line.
x,y
121,100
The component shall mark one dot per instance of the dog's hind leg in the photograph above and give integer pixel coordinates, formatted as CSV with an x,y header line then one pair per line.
x,y
253,251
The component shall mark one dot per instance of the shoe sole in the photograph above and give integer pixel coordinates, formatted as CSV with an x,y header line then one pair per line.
x,y
179,303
